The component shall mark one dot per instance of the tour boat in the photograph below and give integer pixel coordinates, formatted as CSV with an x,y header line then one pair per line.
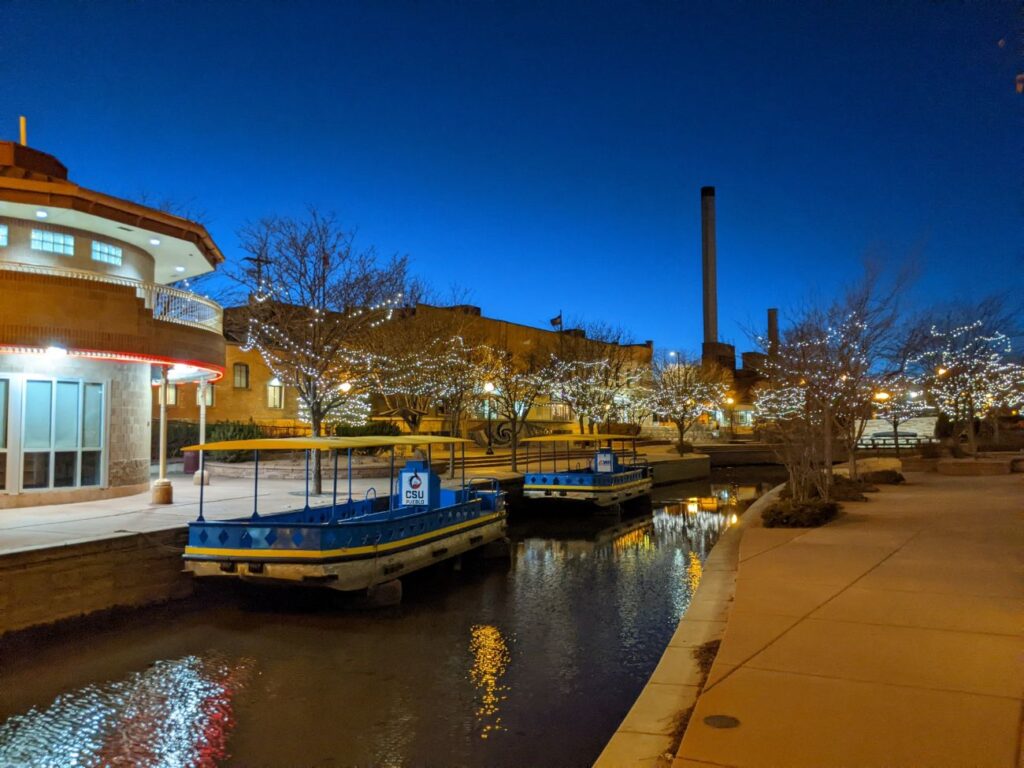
x,y
348,543
607,479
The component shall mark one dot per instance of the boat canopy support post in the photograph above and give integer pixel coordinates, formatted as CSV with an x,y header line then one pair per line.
x,y
202,483
334,491
307,480
391,483
255,483
350,475
463,452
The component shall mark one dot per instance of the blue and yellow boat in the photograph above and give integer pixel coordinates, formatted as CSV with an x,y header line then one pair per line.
x,y
607,479
348,544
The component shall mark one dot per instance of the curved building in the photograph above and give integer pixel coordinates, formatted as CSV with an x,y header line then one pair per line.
x,y
86,310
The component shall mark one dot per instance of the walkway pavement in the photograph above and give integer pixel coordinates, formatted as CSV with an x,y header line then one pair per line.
x,y
891,637
60,524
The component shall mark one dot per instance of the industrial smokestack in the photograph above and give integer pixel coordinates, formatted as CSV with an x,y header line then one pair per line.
x,y
773,331
709,263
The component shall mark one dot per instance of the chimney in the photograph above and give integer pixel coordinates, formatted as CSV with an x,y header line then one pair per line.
x,y
708,262
773,330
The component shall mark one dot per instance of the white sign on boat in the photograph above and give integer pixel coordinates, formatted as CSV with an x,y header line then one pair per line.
x,y
415,489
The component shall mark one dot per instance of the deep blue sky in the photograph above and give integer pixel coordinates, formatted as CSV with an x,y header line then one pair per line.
x,y
550,155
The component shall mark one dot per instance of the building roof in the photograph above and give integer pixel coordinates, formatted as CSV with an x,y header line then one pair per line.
x,y
31,180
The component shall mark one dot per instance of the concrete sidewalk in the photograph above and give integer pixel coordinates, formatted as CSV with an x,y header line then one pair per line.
x,y
61,524
891,637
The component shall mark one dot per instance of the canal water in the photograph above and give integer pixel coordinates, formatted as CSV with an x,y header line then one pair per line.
x,y
531,662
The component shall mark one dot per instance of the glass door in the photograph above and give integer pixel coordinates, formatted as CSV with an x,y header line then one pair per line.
x,y
62,434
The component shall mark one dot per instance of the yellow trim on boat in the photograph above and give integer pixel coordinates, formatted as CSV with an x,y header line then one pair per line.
x,y
324,443
565,487
313,554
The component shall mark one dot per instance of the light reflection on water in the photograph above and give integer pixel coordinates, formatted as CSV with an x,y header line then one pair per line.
x,y
531,664
176,713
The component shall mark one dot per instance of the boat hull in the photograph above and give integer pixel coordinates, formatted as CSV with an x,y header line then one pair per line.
x,y
598,496
350,570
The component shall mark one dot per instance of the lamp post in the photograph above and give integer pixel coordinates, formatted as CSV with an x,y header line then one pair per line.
x,y
730,402
489,388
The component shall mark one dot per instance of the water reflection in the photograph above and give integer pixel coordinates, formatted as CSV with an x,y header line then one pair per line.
x,y
176,713
490,660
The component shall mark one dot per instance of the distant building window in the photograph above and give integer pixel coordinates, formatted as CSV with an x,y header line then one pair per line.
x,y
3,235
209,395
53,242
106,252
275,394
172,394
241,371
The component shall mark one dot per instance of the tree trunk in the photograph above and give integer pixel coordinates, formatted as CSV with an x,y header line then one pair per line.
x,y
514,423
317,426
896,436
826,423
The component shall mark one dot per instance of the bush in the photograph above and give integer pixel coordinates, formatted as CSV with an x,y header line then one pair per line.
x,y
943,426
845,489
785,513
883,477
930,451
684,447
233,430
370,429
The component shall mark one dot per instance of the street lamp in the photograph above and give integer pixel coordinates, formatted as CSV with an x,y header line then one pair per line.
x,y
346,386
489,388
882,396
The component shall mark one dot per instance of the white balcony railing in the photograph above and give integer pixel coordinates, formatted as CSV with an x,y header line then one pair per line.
x,y
171,305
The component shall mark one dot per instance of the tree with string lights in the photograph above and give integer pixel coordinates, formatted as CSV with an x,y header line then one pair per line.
x,y
312,299
897,399
518,381
684,388
968,374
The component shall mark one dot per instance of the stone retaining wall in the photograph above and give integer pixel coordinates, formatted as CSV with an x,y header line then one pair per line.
x,y
47,585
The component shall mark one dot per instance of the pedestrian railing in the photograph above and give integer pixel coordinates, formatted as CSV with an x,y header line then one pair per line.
x,y
170,305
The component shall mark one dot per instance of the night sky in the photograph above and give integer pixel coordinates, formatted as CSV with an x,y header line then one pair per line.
x,y
550,155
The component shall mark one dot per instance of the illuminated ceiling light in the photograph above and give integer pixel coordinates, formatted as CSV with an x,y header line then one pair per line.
x,y
154,241
54,351
41,214
179,268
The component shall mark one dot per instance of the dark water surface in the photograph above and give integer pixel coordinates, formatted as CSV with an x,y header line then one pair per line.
x,y
528,663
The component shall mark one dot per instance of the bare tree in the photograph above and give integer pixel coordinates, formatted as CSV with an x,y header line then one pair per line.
x,y
684,388
313,299
519,380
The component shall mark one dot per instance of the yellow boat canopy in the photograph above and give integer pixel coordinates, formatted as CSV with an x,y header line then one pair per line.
x,y
325,443
576,438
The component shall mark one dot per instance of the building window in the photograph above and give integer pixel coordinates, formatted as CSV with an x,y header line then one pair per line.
x,y
172,394
275,394
209,395
53,242
241,372
106,252
3,235
62,434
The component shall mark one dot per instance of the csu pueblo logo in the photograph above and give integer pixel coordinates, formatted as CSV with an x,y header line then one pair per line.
x,y
415,482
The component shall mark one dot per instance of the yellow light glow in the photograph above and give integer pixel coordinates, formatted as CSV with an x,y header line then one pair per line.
x,y
941,371
488,386
694,571
346,386
490,662
882,396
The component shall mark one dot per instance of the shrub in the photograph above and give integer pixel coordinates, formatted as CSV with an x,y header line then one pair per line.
x,y
930,451
883,477
943,426
684,447
785,513
369,429
233,430
845,489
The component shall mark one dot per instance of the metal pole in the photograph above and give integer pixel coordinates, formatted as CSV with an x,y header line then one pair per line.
x,y
255,483
350,475
490,444
307,479
334,493
391,482
202,465
463,472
